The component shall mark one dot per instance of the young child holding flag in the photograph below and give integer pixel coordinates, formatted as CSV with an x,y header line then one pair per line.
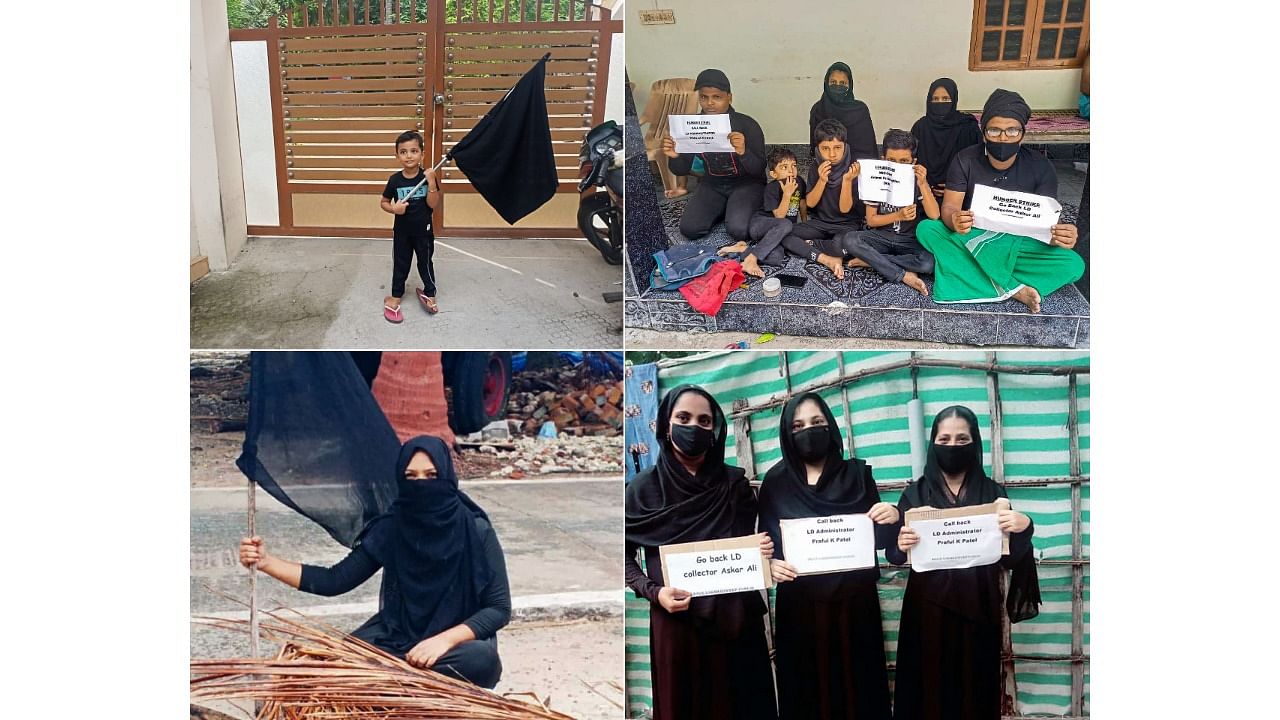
x,y
411,198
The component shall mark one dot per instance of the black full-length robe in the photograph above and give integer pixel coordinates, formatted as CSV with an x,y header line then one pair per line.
x,y
829,640
948,659
711,661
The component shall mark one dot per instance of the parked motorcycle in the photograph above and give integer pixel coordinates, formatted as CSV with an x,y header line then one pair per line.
x,y
600,186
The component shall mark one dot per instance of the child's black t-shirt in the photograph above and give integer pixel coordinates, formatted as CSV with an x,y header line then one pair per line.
x,y
828,207
903,228
773,196
416,219
1030,173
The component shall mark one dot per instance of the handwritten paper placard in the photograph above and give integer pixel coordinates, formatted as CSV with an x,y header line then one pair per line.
x,y
828,544
954,538
1012,212
883,181
715,567
700,133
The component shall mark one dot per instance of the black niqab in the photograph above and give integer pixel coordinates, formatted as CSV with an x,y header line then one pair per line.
x,y
851,112
431,551
940,138
965,591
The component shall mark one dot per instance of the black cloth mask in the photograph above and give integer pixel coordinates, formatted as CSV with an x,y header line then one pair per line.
x,y
692,440
953,458
1002,150
938,110
812,443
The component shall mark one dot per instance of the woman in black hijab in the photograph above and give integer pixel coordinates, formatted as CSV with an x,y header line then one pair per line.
x,y
942,132
949,638
838,103
444,587
829,639
709,657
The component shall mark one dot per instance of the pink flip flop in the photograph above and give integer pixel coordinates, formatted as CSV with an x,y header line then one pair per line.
x,y
427,302
392,314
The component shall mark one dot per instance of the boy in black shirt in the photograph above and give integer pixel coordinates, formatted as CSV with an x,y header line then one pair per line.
x,y
412,230
731,182
830,200
782,208
889,246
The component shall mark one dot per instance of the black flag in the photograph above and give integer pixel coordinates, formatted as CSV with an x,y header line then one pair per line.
x,y
508,155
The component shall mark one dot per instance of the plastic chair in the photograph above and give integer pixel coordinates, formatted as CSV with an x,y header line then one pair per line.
x,y
672,96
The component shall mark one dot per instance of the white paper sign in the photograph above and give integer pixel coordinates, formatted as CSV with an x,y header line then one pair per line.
x,y
956,542
1014,212
828,544
700,133
715,571
883,181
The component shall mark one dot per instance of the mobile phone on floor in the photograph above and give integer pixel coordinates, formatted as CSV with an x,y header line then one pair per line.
x,y
794,281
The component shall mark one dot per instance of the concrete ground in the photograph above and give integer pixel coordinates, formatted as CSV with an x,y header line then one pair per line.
x,y
562,539
304,293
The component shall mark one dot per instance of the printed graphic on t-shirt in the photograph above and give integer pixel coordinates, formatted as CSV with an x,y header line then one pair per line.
x,y
722,164
793,207
403,192
885,208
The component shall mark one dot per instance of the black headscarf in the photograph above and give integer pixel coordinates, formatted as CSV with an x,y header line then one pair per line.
x,y
666,504
966,590
1006,104
712,77
851,112
431,550
940,138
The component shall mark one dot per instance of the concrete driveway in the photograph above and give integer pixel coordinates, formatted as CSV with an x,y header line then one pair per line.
x,y
308,293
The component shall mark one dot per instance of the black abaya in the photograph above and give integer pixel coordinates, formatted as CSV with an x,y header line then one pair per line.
x,y
851,112
949,665
829,637
940,136
712,660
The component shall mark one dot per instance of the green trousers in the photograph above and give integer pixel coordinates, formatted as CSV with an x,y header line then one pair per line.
x,y
985,266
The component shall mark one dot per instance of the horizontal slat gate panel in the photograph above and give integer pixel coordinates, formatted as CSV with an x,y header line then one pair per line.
x,y
354,56
372,71
359,42
516,69
480,110
364,111
353,98
563,142
526,54
387,162
353,124
472,40
504,83
342,175
404,83
492,96
556,122
380,149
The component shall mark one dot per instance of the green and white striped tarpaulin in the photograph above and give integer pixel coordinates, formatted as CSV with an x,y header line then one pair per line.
x,y
1036,445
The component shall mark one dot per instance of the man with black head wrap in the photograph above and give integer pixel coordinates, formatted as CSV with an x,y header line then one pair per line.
x,y
973,265
732,184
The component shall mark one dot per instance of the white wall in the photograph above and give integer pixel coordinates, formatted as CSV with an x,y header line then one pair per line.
x,y
616,99
775,54
257,142
218,220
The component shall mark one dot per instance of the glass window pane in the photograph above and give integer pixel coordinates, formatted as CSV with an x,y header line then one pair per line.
x,y
995,13
1018,12
991,46
1052,11
1048,44
1070,42
1075,10
1012,45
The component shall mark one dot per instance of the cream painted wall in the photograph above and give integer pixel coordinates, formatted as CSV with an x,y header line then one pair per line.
x,y
615,101
257,142
775,54
218,217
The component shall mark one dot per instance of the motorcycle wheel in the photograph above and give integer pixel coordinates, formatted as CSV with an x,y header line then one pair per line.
x,y
600,222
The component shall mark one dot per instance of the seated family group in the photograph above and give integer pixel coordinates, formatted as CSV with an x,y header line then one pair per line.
x,y
819,217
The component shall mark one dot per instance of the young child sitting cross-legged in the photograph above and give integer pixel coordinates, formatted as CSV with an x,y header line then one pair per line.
x,y
830,199
782,207
889,244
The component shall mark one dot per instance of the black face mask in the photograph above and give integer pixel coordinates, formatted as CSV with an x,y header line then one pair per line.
x,y
939,110
1001,150
839,92
692,440
954,458
812,443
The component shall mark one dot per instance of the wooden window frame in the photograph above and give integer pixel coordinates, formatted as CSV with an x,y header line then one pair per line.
x,y
1030,40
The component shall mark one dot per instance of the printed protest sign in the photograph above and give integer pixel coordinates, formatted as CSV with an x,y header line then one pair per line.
x,y
828,544
956,538
700,133
715,567
1014,212
883,181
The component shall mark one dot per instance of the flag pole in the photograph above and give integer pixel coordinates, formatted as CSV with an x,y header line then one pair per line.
x,y
254,648
443,159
